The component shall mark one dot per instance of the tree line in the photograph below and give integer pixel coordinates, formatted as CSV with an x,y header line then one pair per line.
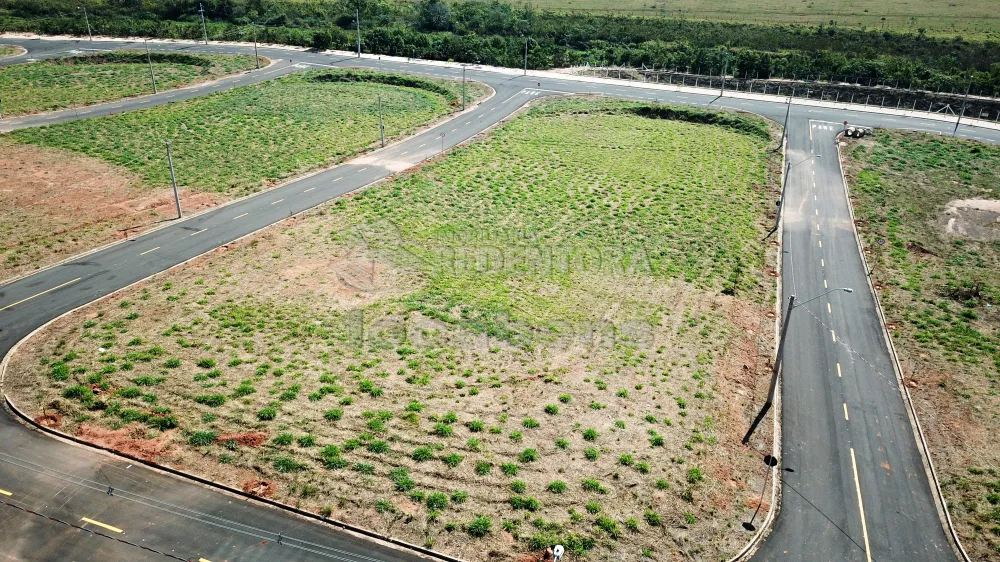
x,y
493,32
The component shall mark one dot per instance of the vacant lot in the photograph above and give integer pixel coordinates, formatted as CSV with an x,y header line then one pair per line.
x,y
554,334
933,202
970,18
70,187
88,79
9,51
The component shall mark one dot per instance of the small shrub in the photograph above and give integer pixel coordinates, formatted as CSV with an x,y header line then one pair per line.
x,y
443,430
557,487
518,486
129,392
480,526
626,460
306,441
437,501
689,518
421,454
528,455
283,439
453,460
609,526
172,363
267,414
565,398
483,468
591,485
363,468
285,463
593,507
378,447
459,497
202,438
530,423
591,454
384,506
333,415
529,504
509,469
590,434
476,426
662,484
652,517
562,443
212,400
695,475
551,409
206,363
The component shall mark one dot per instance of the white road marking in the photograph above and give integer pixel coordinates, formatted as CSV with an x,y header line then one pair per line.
x,y
278,201
822,262
337,179
820,243
241,216
308,190
824,284
199,232
846,417
148,251
828,309
838,370
833,335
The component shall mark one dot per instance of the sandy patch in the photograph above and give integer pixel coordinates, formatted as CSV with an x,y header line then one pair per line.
x,y
130,440
978,219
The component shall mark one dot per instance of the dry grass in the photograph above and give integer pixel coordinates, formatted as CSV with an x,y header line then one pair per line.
x,y
326,320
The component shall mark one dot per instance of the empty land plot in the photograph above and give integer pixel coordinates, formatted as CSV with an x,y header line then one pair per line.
x,y
88,79
70,187
969,18
551,335
934,204
10,51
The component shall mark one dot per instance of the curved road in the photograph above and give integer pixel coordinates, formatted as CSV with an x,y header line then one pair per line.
x,y
854,486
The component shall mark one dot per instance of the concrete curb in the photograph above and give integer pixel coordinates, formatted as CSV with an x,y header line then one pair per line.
x,y
918,433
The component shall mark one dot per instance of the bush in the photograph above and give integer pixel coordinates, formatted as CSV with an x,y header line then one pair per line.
x,y
592,507
306,441
202,438
333,415
283,439
530,423
206,363
557,487
483,468
267,414
172,363
459,497
162,422
453,460
401,478
695,475
590,434
79,392
378,447
626,460
475,426
480,526
551,409
591,454
437,501
662,484
421,454
518,486
529,504
330,455
609,526
509,468
565,398
443,430
129,392
285,463
528,455
591,485
652,517
212,400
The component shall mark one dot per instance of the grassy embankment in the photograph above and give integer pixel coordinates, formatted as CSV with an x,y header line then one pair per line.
x,y
88,79
549,335
941,293
75,185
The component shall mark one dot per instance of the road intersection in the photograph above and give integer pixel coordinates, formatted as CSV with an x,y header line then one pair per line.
x,y
854,485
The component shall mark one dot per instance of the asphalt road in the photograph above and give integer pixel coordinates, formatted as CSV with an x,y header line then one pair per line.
x,y
847,439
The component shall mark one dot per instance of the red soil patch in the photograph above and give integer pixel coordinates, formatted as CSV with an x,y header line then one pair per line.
x,y
130,440
259,488
49,419
249,439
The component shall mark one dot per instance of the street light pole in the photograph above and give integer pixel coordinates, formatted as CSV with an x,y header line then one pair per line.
x,y
381,127
525,56
781,199
784,128
725,69
357,21
463,87
150,61
256,57
778,359
964,101
87,19
173,180
204,29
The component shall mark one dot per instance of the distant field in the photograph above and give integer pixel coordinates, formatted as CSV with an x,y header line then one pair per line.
x,y
970,18
934,202
88,79
70,187
551,335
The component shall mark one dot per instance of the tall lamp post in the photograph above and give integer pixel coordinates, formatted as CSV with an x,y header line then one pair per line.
x,y
779,355
87,19
781,199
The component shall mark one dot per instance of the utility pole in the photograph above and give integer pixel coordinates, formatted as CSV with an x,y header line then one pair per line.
x,y
784,128
87,19
463,87
778,359
964,101
204,29
256,58
150,61
173,180
725,69
357,21
526,56
381,127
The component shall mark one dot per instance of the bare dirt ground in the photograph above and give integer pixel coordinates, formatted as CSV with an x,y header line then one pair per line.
x,y
55,203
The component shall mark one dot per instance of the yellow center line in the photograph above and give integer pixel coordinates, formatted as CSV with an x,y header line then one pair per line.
x,y
148,251
40,294
838,370
6,493
241,216
203,560
99,524
278,201
308,190
199,232
846,417
861,506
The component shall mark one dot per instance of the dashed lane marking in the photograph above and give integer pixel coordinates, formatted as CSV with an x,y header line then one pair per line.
x,y
199,232
838,370
846,417
40,294
6,493
99,524
148,251
278,201
241,216
308,190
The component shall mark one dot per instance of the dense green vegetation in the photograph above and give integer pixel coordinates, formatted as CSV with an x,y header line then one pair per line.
x,y
495,33
941,293
237,141
542,347
82,80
